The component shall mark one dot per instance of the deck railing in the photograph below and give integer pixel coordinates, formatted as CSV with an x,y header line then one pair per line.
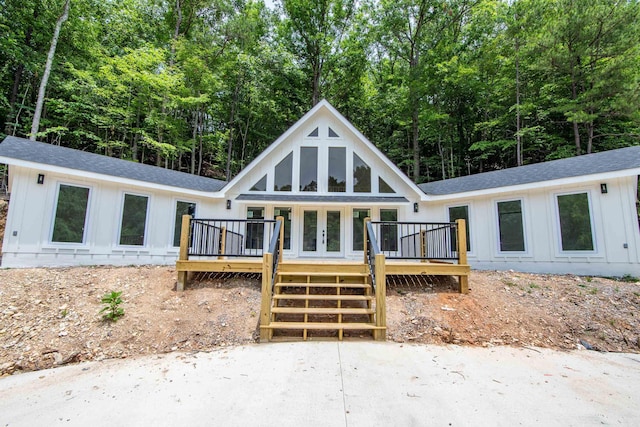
x,y
229,237
418,240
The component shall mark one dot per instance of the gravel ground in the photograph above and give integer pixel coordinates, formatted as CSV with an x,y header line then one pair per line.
x,y
50,317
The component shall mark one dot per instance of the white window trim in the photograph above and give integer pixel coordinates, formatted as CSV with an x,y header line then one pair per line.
x,y
146,223
574,253
349,218
175,205
525,228
87,217
271,214
471,243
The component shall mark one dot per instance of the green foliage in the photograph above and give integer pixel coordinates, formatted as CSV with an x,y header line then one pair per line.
x,y
206,87
112,310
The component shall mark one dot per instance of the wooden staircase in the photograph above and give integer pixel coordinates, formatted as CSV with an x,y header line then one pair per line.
x,y
322,301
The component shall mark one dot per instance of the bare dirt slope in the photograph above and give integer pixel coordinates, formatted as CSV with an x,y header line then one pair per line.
x,y
50,317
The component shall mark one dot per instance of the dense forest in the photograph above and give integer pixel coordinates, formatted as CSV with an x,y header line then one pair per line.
x,y
443,87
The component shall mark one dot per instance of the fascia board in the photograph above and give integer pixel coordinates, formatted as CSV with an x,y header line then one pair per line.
x,y
534,185
109,178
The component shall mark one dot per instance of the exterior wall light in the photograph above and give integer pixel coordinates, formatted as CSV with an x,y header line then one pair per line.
x,y
40,178
416,207
228,204
603,188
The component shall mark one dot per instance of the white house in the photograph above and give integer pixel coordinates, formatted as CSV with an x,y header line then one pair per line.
x,y
324,177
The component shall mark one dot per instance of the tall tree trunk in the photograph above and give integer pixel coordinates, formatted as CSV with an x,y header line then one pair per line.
x,y
315,84
200,144
47,70
518,136
176,33
232,118
17,78
574,96
196,118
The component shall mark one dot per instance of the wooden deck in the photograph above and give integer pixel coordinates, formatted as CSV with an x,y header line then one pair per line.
x,y
320,298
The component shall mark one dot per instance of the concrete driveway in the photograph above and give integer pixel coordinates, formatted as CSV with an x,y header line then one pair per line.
x,y
333,384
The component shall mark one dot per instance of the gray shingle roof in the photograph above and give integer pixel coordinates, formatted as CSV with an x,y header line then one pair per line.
x,y
260,197
38,152
606,161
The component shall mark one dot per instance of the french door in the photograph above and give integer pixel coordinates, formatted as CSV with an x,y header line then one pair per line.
x,y
322,232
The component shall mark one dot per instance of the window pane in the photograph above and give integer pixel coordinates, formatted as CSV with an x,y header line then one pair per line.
x,y
575,222
383,187
314,133
511,227
182,208
358,228
309,169
310,231
71,214
337,169
134,220
333,134
260,185
283,174
334,233
255,231
460,212
286,213
361,175
388,232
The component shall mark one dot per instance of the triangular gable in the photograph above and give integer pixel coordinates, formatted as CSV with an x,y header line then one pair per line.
x,y
336,127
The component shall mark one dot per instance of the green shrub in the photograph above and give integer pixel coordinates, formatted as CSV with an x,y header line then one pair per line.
x,y
112,310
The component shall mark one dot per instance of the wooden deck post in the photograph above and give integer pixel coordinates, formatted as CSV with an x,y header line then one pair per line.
x,y
281,248
184,251
364,238
381,298
423,245
462,254
265,306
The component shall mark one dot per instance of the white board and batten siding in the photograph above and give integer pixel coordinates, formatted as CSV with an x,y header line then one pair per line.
x,y
613,219
613,246
30,221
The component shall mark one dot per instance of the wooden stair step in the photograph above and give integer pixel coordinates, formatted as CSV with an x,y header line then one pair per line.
x,y
321,274
322,285
322,326
324,297
321,310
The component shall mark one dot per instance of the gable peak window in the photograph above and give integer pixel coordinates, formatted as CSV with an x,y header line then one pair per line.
x,y
337,179
283,176
383,187
333,134
261,185
308,168
361,175
314,133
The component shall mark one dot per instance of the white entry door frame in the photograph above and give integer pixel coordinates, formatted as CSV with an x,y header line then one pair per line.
x,y
322,232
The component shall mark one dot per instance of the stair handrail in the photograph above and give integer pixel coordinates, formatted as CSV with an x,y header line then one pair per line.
x,y
372,250
270,261
377,270
275,248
